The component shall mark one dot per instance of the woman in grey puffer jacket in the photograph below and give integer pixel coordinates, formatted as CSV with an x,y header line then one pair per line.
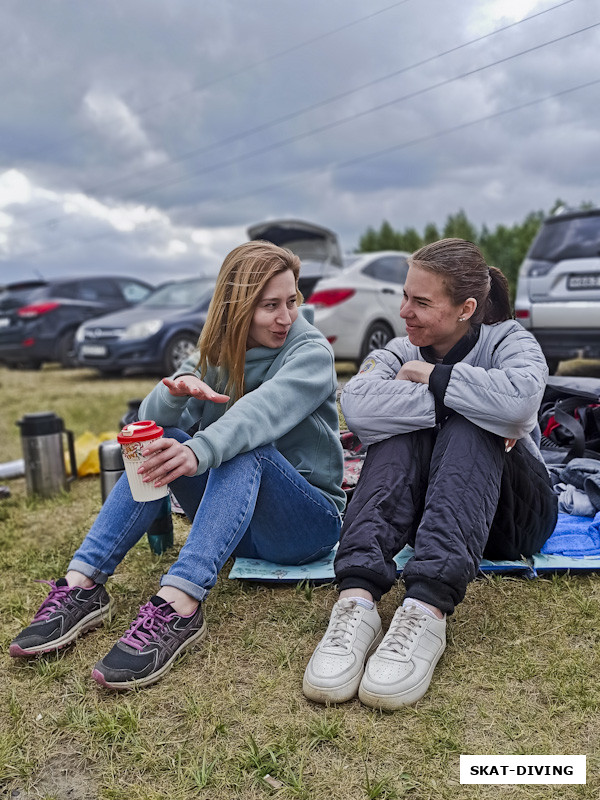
x,y
452,468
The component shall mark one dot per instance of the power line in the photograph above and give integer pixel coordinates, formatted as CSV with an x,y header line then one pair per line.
x,y
299,112
292,115
411,142
357,115
235,73
350,162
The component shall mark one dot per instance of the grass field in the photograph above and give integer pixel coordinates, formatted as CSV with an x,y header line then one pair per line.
x,y
521,674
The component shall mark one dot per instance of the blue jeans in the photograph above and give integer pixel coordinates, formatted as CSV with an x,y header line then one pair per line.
x,y
256,506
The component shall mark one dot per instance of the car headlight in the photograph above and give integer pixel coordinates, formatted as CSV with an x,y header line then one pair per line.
x,y
142,330
80,334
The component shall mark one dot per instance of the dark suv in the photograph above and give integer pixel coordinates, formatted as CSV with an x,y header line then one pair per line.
x,y
558,292
38,319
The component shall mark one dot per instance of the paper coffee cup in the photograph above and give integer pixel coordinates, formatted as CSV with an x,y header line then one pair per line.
x,y
134,438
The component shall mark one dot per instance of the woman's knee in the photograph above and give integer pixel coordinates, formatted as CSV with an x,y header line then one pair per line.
x,y
250,458
177,434
458,426
401,449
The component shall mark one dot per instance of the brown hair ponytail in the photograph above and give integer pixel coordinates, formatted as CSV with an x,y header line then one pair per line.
x,y
462,266
497,304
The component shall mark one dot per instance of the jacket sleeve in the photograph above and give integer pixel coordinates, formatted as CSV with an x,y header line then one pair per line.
x,y
166,409
505,398
299,387
376,406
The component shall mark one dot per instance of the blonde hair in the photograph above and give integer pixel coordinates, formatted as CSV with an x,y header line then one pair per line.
x,y
243,276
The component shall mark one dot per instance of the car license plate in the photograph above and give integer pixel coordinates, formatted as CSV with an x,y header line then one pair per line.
x,y
4,322
94,350
589,281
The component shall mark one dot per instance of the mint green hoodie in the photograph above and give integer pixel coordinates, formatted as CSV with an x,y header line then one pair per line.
x,y
290,400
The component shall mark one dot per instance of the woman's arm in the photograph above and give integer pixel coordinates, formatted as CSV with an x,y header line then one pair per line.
x,y
382,401
304,381
504,398
167,458
169,398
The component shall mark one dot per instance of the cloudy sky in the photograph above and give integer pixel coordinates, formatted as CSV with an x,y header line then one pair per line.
x,y
144,137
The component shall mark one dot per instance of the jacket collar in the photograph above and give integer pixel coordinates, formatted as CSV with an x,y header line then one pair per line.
x,y
458,352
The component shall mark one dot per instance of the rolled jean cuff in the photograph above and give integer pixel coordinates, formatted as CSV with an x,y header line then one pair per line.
x,y
90,572
192,589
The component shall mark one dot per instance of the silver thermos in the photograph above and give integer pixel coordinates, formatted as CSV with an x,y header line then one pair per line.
x,y
110,455
43,453
111,465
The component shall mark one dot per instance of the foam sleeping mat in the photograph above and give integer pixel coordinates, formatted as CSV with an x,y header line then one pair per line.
x,y
572,535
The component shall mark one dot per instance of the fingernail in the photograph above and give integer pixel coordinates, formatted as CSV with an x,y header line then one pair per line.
x,y
509,448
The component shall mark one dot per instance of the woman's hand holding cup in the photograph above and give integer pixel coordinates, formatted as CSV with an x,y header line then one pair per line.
x,y
166,460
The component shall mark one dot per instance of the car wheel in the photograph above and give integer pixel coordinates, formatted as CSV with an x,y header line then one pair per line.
x,y
177,350
65,352
376,337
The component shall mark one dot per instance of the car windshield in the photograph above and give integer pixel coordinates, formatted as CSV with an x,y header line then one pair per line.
x,y
181,294
575,237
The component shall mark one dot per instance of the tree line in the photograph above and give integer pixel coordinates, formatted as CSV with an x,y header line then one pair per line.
x,y
503,247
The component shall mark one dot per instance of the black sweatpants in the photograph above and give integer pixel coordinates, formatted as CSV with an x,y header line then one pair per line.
x,y
456,497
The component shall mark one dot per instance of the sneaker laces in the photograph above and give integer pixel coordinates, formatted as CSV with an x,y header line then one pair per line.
x,y
55,600
148,624
402,631
339,632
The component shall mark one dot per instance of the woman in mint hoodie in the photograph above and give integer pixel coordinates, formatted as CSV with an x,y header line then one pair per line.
x,y
260,477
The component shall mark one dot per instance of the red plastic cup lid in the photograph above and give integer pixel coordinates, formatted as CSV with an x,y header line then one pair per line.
x,y
140,431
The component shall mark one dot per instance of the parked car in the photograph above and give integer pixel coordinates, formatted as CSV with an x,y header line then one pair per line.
x,y
318,248
359,310
38,319
558,290
156,336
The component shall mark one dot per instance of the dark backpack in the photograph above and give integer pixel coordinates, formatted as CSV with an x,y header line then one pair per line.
x,y
569,419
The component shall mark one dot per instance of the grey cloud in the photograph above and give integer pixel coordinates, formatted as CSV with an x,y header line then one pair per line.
x,y
108,100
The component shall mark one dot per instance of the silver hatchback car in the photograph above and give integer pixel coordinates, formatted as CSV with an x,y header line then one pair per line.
x,y
558,291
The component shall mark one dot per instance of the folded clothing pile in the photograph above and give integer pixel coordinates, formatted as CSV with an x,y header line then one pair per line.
x,y
577,485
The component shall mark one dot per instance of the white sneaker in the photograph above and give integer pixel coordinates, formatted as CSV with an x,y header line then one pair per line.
x,y
336,667
399,672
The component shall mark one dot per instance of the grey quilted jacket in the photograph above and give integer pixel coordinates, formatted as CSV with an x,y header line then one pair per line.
x,y
498,385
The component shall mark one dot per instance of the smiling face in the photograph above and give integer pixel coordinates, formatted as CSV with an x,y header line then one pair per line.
x,y
276,311
432,319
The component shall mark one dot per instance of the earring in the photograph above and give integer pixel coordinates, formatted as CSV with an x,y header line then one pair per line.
x,y
461,319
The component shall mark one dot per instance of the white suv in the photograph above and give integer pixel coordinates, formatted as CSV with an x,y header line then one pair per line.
x,y
558,291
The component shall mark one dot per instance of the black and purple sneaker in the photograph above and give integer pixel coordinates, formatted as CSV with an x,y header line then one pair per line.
x,y
148,649
65,614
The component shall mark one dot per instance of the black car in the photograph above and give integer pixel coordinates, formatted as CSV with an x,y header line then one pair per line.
x,y
38,319
155,336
